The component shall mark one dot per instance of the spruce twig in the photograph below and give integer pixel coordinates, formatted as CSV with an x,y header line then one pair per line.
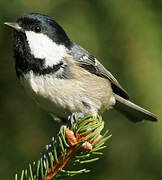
x,y
80,140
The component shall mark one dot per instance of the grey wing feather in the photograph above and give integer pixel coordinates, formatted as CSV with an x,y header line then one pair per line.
x,y
87,61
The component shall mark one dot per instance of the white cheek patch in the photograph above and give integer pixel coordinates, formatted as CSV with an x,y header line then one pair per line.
x,y
43,47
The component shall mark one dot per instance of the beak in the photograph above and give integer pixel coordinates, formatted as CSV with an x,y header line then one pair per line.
x,y
13,25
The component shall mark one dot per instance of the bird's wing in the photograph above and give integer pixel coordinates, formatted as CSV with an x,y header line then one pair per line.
x,y
90,63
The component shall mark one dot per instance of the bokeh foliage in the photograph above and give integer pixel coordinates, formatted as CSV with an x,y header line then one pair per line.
x,y
126,36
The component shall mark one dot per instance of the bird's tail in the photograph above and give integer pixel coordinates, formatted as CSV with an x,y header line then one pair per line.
x,y
132,111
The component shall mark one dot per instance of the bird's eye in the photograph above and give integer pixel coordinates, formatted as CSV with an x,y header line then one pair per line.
x,y
37,29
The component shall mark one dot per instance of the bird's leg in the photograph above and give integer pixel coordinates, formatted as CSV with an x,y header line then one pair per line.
x,y
75,117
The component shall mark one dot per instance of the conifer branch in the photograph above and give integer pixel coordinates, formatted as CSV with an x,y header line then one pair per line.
x,y
80,140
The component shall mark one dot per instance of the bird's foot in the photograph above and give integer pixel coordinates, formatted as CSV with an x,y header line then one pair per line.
x,y
75,117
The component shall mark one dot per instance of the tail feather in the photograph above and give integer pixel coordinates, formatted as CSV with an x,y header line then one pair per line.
x,y
132,111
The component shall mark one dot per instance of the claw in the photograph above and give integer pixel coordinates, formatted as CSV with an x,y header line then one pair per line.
x,y
75,117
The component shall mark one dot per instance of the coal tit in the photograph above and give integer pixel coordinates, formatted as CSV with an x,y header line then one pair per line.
x,y
62,76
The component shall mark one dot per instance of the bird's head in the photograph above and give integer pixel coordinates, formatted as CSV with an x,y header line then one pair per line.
x,y
37,36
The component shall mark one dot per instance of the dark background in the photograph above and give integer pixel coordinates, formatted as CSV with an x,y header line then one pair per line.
x,y
126,36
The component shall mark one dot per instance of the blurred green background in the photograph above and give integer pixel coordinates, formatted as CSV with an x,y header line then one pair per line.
x,y
126,36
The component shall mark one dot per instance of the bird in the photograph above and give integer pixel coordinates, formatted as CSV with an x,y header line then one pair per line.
x,y
61,76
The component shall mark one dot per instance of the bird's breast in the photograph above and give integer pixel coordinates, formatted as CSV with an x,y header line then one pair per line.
x,y
87,93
